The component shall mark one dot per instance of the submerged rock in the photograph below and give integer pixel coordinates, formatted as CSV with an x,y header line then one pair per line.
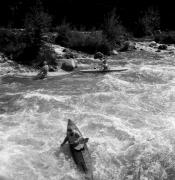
x,y
162,47
153,44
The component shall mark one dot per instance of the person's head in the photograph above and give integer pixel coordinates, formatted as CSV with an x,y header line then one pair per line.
x,y
70,131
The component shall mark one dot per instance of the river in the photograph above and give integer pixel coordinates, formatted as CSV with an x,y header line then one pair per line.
x,y
129,118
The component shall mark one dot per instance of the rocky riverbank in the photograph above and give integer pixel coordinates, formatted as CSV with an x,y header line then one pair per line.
x,y
135,53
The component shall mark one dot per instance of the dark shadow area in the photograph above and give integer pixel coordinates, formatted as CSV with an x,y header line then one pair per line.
x,y
65,150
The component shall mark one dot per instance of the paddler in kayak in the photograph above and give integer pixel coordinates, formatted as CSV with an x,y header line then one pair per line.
x,y
75,140
44,70
104,65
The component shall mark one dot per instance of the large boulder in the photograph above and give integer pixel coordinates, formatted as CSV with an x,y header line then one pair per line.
x,y
128,46
69,65
98,55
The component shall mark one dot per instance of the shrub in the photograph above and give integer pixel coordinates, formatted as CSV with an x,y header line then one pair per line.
x,y
112,29
47,54
149,22
15,45
24,46
89,42
63,33
165,37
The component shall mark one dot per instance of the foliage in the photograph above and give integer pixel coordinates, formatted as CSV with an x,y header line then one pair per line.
x,y
89,42
63,33
47,54
165,37
149,22
112,29
24,45
37,22
17,46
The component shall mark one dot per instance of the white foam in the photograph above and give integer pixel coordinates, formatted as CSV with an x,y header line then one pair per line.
x,y
45,96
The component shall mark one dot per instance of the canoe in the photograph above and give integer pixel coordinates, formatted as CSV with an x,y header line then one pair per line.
x,y
101,71
82,158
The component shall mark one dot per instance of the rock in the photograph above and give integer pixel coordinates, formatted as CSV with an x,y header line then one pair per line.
x,y
98,55
128,46
162,47
171,52
153,44
52,68
114,52
68,54
69,65
2,58
158,31
66,50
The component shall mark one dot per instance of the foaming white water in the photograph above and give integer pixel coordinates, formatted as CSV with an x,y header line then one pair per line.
x,y
128,117
47,97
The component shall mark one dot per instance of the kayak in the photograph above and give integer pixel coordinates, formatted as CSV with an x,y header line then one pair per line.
x,y
37,76
82,158
40,76
102,71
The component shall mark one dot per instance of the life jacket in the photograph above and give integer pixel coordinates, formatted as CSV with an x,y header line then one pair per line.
x,y
73,138
105,66
45,69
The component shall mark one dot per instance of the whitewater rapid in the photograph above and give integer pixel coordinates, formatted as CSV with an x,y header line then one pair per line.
x,y
129,118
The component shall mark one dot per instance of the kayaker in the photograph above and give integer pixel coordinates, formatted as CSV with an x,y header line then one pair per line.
x,y
75,139
104,65
44,70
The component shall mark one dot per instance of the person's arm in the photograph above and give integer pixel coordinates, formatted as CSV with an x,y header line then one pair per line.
x,y
79,138
65,140
40,71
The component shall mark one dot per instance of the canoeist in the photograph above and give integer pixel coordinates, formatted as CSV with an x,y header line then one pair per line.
x,y
75,139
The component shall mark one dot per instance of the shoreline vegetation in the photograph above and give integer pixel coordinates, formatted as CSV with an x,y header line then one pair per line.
x,y
32,44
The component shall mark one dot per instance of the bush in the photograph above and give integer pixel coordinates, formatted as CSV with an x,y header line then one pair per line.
x,y
165,37
92,42
19,46
89,42
148,23
63,33
47,54
112,29
16,46
24,46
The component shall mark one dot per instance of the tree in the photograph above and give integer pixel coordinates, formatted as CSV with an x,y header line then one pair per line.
x,y
36,23
150,21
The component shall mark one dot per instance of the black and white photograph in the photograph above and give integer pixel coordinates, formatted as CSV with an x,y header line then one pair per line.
x,y
87,90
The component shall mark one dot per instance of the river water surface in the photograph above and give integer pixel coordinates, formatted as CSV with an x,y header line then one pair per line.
x,y
129,118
